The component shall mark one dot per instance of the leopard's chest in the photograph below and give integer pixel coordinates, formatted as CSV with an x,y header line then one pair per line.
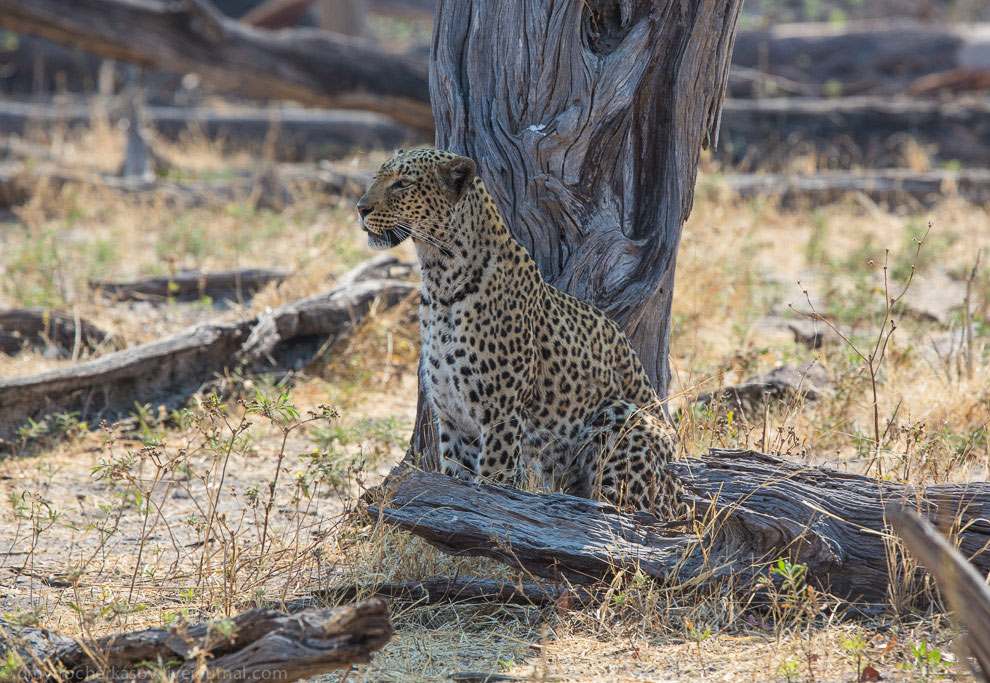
x,y
450,341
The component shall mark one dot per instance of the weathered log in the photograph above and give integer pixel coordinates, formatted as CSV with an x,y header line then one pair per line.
x,y
890,188
273,188
855,58
757,508
851,131
258,645
317,323
168,371
962,587
237,285
294,133
23,326
308,66
887,187
433,591
779,388
848,131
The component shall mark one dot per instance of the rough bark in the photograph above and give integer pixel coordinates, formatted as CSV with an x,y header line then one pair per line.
x,y
853,131
757,509
853,58
587,120
264,645
309,66
168,371
236,285
23,326
962,587
887,187
292,133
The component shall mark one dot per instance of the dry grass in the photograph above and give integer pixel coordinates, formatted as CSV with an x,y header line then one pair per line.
x,y
106,530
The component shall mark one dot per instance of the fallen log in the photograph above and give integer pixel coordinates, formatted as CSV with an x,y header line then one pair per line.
x,y
845,131
854,58
291,133
308,66
757,509
223,285
782,387
22,326
273,188
886,187
259,644
168,371
962,587
853,131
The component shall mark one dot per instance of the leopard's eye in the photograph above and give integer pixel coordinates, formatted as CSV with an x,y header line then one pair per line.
x,y
402,184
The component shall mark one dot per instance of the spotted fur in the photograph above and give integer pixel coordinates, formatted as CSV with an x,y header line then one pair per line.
x,y
526,381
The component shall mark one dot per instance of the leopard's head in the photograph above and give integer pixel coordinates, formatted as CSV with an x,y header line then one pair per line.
x,y
413,195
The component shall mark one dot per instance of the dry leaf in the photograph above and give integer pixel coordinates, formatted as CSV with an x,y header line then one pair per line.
x,y
869,674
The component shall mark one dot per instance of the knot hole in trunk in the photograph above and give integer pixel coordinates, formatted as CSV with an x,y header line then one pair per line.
x,y
605,23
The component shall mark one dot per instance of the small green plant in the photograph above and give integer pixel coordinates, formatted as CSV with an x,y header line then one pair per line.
x,y
12,667
854,647
926,661
792,575
697,635
789,669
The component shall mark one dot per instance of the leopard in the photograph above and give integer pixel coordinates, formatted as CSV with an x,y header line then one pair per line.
x,y
526,382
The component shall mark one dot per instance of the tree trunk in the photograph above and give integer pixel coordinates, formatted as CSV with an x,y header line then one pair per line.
x,y
586,120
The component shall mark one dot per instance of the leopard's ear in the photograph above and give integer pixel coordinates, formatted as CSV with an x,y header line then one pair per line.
x,y
455,176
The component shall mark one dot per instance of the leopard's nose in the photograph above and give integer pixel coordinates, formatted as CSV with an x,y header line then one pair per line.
x,y
363,210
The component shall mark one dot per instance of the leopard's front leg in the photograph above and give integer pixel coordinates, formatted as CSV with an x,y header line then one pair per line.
x,y
501,447
458,453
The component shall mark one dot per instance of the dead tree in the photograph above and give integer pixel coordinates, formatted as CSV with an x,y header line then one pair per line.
x,y
587,132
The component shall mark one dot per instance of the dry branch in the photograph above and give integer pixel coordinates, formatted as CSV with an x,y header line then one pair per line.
x,y
22,326
887,187
237,285
963,588
313,67
291,132
856,57
263,645
166,372
762,508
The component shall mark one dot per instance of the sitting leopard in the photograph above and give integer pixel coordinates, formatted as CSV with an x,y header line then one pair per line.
x,y
524,379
